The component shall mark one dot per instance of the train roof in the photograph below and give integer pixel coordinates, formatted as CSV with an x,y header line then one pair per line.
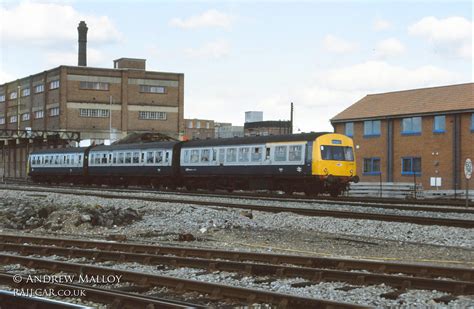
x,y
59,150
164,144
254,140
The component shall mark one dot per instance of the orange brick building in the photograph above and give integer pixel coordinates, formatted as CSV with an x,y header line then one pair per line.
x,y
421,134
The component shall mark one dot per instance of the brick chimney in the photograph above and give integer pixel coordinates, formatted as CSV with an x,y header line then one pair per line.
x,y
82,55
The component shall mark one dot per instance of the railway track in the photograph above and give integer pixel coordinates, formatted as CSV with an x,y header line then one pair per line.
x,y
456,280
463,223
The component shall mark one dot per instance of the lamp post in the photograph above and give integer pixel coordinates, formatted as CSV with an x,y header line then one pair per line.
x,y
110,120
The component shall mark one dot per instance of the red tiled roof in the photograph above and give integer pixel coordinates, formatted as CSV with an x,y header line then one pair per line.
x,y
416,101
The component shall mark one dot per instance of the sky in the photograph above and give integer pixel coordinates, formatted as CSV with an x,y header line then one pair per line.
x,y
246,55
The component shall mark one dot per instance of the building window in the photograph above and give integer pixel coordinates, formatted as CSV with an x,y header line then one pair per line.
x,y
39,114
472,122
349,129
198,124
54,112
411,166
13,95
2,98
439,125
372,128
25,117
13,119
39,88
411,125
152,89
208,125
152,115
2,120
54,84
93,113
94,85
190,124
25,92
372,166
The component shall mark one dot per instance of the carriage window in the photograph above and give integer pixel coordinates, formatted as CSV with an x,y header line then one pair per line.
x,y
46,160
167,157
244,154
158,156
194,156
136,157
68,159
104,158
280,153
64,159
73,159
143,158
120,159
295,153
267,154
79,159
128,157
231,155
56,160
97,158
205,155
186,156
114,158
256,154
214,155
149,157
221,155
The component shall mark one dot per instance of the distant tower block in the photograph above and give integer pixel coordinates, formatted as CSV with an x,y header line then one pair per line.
x,y
82,55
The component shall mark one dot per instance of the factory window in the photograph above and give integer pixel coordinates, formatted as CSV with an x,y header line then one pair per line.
x,y
231,155
94,113
2,98
2,120
411,126
439,124
472,122
280,153
295,153
371,166
208,125
152,89
205,155
39,88
13,95
54,111
54,84
190,124
25,116
152,115
244,154
13,119
257,154
371,128
198,124
349,129
25,92
194,156
411,166
39,114
93,85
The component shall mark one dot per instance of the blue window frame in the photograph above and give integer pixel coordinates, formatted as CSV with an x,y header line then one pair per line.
x,y
411,166
411,126
349,129
371,166
439,124
472,122
371,128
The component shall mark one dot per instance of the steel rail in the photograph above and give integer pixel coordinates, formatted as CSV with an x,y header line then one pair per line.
x,y
278,209
216,291
313,274
118,299
422,270
11,300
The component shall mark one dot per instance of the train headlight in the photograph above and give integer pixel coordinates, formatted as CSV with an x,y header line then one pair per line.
x,y
352,172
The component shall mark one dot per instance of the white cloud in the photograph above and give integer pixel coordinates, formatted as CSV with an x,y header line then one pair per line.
x,y
389,48
381,24
52,23
210,18
216,49
337,45
452,35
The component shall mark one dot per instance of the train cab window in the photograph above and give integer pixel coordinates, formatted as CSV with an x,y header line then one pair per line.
x,y
186,156
194,156
205,155
295,153
128,157
337,153
149,157
158,157
136,157
104,158
231,155
221,155
280,153
244,154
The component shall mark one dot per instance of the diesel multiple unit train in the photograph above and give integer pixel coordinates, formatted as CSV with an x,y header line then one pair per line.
x,y
311,162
